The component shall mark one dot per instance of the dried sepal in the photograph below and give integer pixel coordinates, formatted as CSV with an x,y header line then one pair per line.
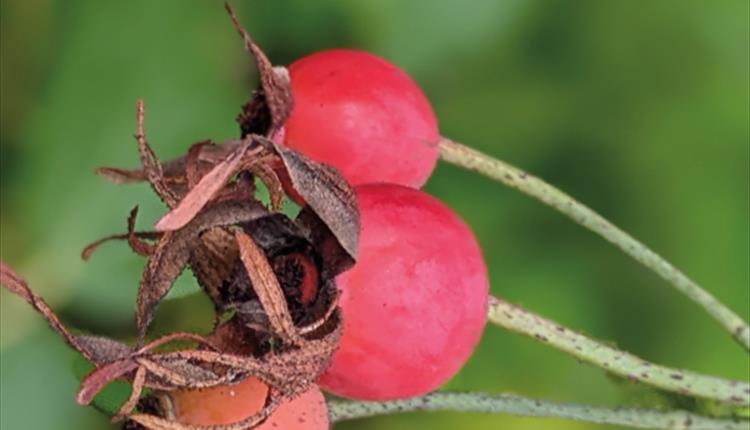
x,y
327,193
139,381
206,188
268,289
193,166
277,92
173,252
151,166
101,376
134,238
119,176
17,285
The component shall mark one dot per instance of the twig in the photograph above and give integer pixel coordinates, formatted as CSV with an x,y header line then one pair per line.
x,y
613,360
341,410
461,155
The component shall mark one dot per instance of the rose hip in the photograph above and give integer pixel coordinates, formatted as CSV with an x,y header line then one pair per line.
x,y
362,115
233,403
414,305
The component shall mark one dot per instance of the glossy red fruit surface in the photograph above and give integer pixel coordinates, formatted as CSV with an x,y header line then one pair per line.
x,y
362,115
233,403
414,305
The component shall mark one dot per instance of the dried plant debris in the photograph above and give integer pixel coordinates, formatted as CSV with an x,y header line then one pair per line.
x,y
270,277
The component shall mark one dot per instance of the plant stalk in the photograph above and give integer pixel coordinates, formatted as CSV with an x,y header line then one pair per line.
x,y
471,159
613,360
341,410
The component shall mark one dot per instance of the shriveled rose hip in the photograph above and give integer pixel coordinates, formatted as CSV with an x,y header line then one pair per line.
x,y
362,115
414,305
233,403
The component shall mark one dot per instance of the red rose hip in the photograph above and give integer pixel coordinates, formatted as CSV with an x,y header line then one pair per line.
x,y
414,305
362,115
233,403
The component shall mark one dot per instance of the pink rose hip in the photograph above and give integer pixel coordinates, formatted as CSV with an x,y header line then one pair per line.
x,y
362,115
414,305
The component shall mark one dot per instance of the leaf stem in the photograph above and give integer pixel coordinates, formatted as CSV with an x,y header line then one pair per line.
x,y
613,360
471,159
341,410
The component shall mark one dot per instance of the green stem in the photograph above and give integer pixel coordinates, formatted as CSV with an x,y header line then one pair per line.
x,y
514,177
614,360
341,410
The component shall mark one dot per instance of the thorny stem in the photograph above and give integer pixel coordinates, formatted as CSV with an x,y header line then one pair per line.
x,y
461,155
616,361
341,410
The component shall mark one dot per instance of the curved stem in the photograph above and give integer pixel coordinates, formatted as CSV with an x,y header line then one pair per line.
x,y
514,177
614,360
341,410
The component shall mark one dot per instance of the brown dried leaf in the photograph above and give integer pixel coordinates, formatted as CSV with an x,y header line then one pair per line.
x,y
103,350
120,176
139,380
101,376
273,80
327,193
266,174
151,165
173,252
174,171
193,172
213,260
139,246
206,188
335,259
163,267
17,285
267,287
90,248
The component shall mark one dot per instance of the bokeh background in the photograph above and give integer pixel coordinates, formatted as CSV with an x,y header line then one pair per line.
x,y
638,108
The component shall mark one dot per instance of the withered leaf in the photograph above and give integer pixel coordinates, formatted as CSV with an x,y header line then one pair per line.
x,y
274,80
17,285
206,188
267,287
163,267
327,193
213,260
101,376
120,176
89,250
174,250
173,170
193,172
139,380
103,350
151,165
335,258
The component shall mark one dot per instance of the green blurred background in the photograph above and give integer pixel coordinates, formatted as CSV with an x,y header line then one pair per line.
x,y
638,108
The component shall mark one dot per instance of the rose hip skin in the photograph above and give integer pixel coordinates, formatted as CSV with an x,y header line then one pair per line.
x,y
362,115
232,403
414,305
